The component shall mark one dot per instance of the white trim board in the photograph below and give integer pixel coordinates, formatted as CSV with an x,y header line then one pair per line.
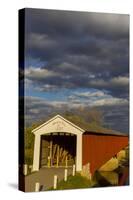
x,y
58,124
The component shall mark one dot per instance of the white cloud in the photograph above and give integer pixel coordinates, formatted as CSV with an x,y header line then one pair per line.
x,y
38,108
46,87
39,73
90,94
120,80
32,101
110,101
116,81
96,98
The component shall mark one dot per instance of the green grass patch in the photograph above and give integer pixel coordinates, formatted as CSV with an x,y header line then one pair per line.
x,y
74,182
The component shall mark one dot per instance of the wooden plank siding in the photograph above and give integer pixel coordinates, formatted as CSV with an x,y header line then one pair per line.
x,y
98,149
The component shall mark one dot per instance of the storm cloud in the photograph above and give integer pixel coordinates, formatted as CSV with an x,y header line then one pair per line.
x,y
79,52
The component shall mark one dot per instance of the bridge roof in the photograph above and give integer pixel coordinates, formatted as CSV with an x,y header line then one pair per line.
x,y
96,129
106,132
85,128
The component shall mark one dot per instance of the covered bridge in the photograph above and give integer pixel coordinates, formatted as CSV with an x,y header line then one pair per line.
x,y
59,142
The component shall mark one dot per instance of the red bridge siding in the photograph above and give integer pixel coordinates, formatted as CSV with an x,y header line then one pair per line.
x,y
98,149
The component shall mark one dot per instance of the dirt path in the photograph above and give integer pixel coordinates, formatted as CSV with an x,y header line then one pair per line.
x,y
45,177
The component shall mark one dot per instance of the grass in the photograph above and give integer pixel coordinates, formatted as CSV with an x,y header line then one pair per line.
x,y
74,182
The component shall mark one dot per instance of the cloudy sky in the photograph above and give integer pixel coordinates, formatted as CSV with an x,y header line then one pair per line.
x,y
77,59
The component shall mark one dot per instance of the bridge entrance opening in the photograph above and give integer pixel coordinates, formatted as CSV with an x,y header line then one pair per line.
x,y
58,150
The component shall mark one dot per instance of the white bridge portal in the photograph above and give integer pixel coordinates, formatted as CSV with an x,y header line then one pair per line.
x,y
57,124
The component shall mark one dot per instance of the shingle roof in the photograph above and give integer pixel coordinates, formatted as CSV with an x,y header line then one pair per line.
x,y
107,132
95,129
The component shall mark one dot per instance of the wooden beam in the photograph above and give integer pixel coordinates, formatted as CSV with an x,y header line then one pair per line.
x,y
54,149
57,160
61,150
50,153
66,161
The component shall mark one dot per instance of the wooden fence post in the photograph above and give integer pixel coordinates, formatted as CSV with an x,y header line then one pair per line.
x,y
37,187
25,169
73,170
55,182
48,161
65,175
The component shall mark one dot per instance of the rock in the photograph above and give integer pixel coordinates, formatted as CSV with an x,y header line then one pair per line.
x,y
121,155
110,165
111,177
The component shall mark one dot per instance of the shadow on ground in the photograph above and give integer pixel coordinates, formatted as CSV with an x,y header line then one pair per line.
x,y
13,185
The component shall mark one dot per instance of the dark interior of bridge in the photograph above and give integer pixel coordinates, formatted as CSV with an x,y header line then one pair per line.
x,y
58,149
